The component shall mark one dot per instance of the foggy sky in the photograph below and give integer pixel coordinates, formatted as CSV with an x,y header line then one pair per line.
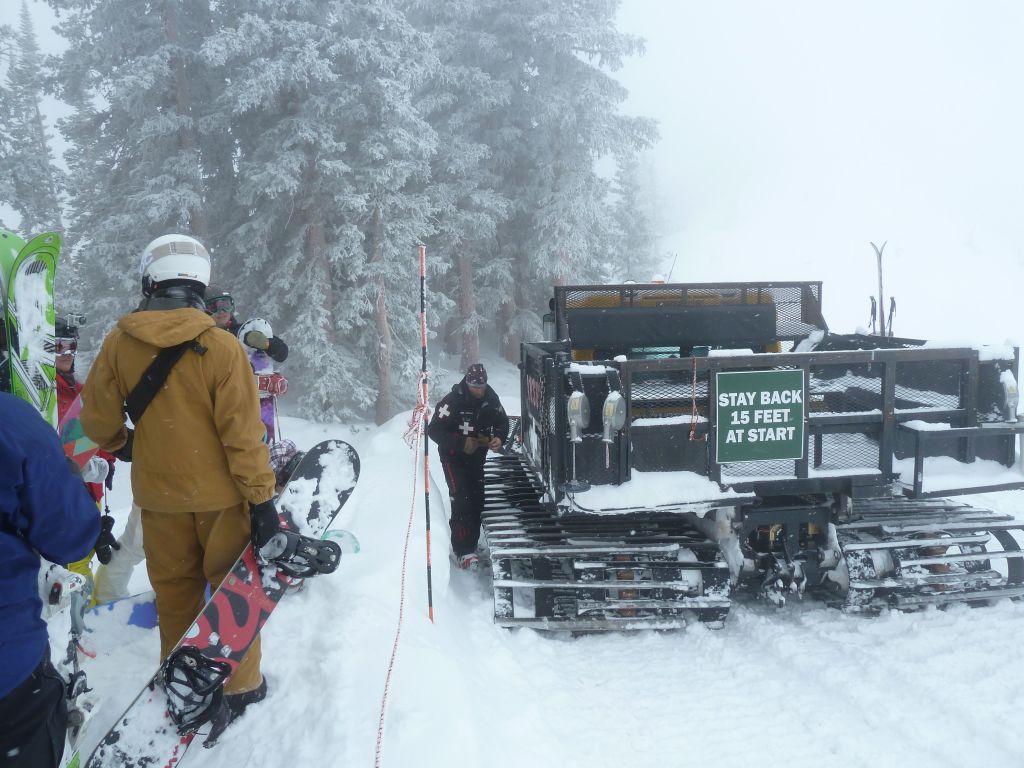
x,y
794,132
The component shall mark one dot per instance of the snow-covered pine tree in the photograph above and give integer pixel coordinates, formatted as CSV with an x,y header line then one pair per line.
x,y
6,55
31,182
140,96
564,114
459,101
283,103
389,152
331,201
633,218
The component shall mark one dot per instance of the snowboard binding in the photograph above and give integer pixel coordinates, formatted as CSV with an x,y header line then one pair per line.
x,y
300,557
194,686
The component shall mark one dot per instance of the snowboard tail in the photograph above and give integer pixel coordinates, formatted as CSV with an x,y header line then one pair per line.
x,y
146,735
77,445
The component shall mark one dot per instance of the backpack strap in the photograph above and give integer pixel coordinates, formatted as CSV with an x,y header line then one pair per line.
x,y
155,375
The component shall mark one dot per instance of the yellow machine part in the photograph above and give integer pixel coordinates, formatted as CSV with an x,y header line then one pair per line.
x,y
657,298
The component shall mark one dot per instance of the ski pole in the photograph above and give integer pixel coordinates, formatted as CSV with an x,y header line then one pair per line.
x,y
881,295
425,402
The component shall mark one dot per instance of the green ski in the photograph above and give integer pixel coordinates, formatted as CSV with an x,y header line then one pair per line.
x,y
29,319
10,246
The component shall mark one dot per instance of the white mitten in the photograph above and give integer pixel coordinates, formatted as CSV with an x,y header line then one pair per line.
x,y
95,470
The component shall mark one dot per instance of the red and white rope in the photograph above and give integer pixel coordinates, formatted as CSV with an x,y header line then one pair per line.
x,y
420,415
417,431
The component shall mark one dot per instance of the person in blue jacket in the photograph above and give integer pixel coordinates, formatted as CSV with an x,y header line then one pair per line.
x,y
45,510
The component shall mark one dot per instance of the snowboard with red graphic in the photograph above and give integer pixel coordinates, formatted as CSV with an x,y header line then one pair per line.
x,y
77,445
185,694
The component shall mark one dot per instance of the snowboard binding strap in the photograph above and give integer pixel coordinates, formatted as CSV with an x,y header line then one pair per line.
x,y
194,686
300,556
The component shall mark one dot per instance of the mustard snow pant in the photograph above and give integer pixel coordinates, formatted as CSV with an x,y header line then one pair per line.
x,y
184,552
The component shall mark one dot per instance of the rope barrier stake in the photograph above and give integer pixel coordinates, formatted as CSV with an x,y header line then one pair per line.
x,y
425,403
417,424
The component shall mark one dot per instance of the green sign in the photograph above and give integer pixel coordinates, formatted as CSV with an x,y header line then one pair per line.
x,y
760,415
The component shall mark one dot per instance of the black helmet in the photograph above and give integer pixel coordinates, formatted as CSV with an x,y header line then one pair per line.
x,y
66,326
215,293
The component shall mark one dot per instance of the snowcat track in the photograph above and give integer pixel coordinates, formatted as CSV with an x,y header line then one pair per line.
x,y
586,573
908,554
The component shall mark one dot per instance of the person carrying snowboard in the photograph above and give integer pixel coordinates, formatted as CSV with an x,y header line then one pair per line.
x,y
44,510
467,422
101,466
263,348
200,467
98,471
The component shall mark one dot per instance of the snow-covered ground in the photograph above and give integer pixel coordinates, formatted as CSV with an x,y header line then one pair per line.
x,y
800,686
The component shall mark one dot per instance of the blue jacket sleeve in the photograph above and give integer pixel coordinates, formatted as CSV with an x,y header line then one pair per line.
x,y
52,508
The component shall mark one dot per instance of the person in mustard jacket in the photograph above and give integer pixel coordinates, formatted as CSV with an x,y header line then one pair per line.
x,y
200,465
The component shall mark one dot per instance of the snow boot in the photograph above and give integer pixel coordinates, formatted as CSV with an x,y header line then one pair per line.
x,y
470,562
237,702
230,708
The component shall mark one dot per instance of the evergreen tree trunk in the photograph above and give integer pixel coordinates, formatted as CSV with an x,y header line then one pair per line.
x,y
315,252
467,309
508,345
382,407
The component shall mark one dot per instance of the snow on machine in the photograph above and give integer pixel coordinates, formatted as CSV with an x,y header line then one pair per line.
x,y
680,444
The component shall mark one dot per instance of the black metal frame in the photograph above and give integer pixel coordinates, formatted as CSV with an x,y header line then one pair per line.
x,y
554,360
966,436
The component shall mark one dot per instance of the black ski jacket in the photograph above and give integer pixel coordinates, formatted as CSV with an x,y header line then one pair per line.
x,y
460,415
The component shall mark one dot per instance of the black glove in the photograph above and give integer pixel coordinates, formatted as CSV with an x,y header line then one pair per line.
x,y
124,453
277,349
265,522
105,542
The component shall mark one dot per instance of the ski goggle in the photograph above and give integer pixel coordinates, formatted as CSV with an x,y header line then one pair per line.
x,y
222,304
66,346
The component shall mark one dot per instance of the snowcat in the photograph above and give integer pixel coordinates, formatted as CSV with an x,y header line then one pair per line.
x,y
684,444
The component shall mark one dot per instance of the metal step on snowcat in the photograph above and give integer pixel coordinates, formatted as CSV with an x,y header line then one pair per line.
x,y
588,572
908,555
682,444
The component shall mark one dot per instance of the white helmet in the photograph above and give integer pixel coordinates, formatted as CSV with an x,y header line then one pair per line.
x,y
174,257
255,324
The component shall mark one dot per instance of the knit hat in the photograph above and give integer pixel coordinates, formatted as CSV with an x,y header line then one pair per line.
x,y
476,376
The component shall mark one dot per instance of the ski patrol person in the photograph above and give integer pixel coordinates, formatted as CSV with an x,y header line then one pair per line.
x,y
44,510
200,467
467,422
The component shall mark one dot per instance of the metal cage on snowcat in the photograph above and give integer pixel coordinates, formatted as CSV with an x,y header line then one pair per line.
x,y
664,426
865,409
